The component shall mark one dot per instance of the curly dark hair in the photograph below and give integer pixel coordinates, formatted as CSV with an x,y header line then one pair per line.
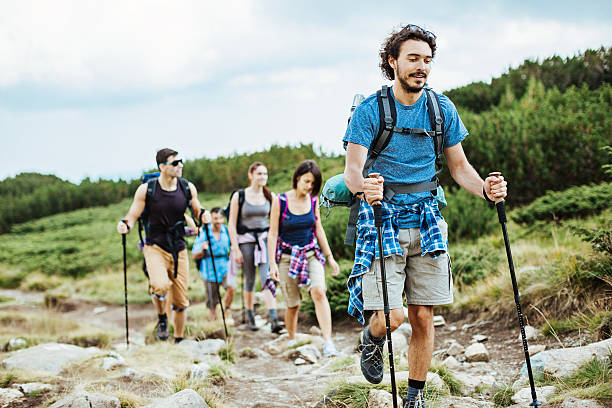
x,y
393,43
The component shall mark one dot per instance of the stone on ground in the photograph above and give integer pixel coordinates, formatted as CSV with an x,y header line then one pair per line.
x,y
531,333
33,387
455,349
17,344
451,362
536,348
200,350
84,399
524,395
8,396
382,399
564,362
184,399
307,352
50,358
279,345
470,382
571,402
477,352
439,321
199,371
479,338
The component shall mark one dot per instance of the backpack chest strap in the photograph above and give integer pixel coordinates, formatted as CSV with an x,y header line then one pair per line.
x,y
414,131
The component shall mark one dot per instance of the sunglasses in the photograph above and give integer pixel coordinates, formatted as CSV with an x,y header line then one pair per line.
x,y
412,27
174,162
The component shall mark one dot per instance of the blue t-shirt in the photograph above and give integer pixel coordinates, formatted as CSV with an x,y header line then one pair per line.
x,y
221,249
408,158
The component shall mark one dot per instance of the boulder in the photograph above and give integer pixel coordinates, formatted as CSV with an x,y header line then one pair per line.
x,y
439,321
405,329
463,402
400,343
477,352
50,358
183,399
564,362
571,402
470,382
199,350
84,399
536,348
451,363
382,399
524,395
129,374
308,352
9,396
199,371
36,387
479,338
455,349
531,333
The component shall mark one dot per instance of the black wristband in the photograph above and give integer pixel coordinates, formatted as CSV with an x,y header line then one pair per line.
x,y
484,193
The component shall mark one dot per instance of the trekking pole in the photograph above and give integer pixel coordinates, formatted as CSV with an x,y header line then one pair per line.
x,y
378,222
212,259
501,215
125,299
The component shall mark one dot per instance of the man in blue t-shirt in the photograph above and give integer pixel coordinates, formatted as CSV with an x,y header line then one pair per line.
x,y
415,233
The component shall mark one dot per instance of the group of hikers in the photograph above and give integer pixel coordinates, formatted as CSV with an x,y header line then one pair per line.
x,y
393,144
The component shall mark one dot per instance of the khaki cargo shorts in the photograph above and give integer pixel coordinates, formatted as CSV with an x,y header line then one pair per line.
x,y
160,267
424,280
289,286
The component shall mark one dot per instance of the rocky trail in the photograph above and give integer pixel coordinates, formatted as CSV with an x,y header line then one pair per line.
x,y
482,355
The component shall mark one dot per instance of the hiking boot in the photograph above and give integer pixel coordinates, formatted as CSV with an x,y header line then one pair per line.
x,y
275,326
372,363
251,321
414,401
329,349
162,332
229,320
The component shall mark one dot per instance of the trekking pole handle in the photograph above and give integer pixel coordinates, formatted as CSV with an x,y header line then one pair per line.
x,y
377,205
499,202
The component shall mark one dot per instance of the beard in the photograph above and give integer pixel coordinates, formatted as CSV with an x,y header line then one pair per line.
x,y
403,79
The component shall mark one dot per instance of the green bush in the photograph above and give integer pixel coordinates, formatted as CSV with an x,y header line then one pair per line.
x,y
571,203
473,263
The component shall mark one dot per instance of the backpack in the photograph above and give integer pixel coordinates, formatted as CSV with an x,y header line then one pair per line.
x,y
150,179
198,262
335,192
241,229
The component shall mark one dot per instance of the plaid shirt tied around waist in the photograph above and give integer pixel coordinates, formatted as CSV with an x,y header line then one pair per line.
x,y
298,264
366,250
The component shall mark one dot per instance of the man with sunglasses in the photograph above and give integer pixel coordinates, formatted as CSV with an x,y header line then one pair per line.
x,y
165,251
415,249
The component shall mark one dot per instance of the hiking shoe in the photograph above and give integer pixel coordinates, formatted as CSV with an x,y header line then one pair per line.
x,y
251,321
329,349
414,401
162,332
372,363
275,327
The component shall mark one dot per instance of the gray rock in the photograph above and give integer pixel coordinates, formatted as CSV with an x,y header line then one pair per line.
x,y
101,309
199,371
50,358
200,349
479,338
9,395
400,343
84,399
564,362
279,345
536,348
455,349
382,399
463,402
531,333
571,402
439,321
184,399
37,387
405,329
477,352
451,362
307,352
471,382
129,374
110,363
452,328
300,361
17,344
524,395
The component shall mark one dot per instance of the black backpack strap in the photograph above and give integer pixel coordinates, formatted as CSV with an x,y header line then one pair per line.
x,y
388,117
240,229
436,120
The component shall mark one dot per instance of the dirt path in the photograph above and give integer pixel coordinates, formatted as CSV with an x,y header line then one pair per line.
x,y
278,382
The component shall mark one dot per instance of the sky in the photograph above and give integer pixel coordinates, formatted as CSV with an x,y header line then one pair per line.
x,y
95,88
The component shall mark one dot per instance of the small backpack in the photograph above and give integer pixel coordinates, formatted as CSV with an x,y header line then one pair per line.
x,y
336,193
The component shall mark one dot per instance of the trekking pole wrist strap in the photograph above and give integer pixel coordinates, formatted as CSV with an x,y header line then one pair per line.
x,y
123,220
486,197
